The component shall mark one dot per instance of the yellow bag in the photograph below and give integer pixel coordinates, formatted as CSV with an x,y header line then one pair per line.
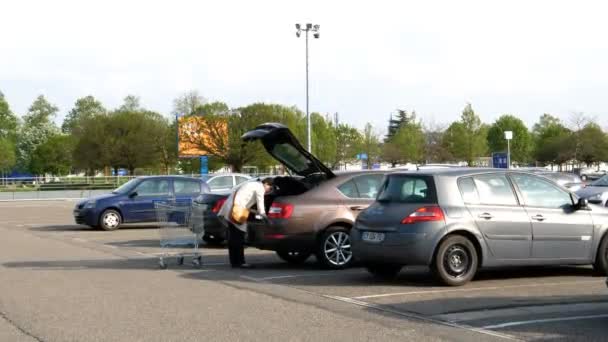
x,y
239,214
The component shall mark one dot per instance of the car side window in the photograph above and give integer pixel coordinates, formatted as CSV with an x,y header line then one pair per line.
x,y
368,185
494,189
222,182
240,179
538,192
186,187
153,187
468,190
349,189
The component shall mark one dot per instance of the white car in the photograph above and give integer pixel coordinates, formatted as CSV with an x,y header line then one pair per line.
x,y
223,182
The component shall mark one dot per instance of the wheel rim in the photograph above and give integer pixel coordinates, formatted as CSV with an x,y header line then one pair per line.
x,y
457,261
111,220
337,249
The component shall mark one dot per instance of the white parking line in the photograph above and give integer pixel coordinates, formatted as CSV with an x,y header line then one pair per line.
x,y
489,288
421,318
289,276
539,321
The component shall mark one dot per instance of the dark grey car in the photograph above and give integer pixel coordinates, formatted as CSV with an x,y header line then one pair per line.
x,y
458,220
596,192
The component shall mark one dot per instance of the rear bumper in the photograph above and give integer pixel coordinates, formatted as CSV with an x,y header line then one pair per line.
x,y
404,248
213,226
275,236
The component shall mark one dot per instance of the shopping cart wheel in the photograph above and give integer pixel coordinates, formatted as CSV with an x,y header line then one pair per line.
x,y
162,265
180,260
197,261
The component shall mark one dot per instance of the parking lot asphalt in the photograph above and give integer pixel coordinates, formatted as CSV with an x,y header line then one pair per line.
x,y
64,282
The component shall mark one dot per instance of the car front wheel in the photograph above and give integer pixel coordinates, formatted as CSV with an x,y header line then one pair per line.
x,y
334,248
601,261
455,261
110,220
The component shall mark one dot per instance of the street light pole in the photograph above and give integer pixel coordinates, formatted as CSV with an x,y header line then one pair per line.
x,y
315,30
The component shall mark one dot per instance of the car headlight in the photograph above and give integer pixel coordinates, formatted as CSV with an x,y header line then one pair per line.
x,y
90,204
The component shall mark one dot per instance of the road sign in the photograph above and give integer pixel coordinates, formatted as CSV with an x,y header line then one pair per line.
x,y
204,165
500,160
362,156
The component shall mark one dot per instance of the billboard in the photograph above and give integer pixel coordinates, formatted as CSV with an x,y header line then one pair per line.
x,y
499,160
201,135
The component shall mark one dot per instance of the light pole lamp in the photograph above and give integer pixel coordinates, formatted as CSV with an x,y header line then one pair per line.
x,y
508,137
315,30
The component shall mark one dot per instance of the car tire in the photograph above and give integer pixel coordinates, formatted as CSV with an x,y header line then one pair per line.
x,y
600,266
334,249
294,257
213,240
456,261
110,219
384,272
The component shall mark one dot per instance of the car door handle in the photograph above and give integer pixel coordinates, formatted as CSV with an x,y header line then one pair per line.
x,y
358,207
538,218
486,216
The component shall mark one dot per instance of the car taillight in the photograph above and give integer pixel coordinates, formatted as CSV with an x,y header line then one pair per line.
x,y
218,205
280,210
425,214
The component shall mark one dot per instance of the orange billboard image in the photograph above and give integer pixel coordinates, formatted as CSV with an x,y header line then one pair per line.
x,y
202,135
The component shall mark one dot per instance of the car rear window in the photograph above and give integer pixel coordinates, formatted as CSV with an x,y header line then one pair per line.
x,y
408,189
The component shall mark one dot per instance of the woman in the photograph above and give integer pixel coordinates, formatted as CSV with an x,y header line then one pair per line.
x,y
242,199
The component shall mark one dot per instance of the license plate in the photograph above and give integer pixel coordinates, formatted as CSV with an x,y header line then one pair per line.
x,y
372,237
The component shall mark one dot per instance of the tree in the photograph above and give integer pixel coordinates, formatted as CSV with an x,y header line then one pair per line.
x,y
434,148
521,143
7,155
370,145
8,121
323,138
402,118
54,156
37,127
84,108
594,144
550,138
466,139
91,151
188,103
406,145
131,103
348,139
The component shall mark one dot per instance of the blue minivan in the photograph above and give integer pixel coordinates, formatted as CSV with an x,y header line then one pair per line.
x,y
133,202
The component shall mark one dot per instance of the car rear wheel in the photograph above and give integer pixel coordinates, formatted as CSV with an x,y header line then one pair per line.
x,y
455,261
385,272
334,248
601,261
110,220
294,257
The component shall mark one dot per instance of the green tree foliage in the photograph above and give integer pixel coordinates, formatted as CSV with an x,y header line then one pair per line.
x,y
370,144
594,144
521,145
402,118
37,127
434,147
323,138
551,141
348,141
7,155
91,152
406,145
54,156
8,121
84,108
466,139
131,103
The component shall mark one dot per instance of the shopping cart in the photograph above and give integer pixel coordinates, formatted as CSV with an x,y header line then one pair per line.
x,y
181,226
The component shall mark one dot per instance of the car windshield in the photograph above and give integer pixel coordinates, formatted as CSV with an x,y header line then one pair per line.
x,y
600,182
408,189
126,187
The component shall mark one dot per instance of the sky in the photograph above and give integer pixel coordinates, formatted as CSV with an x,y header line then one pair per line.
x,y
524,58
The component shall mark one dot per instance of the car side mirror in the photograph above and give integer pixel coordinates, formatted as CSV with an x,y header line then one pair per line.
x,y
133,194
582,204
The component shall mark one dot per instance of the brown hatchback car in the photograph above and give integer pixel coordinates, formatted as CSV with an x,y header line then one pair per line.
x,y
310,212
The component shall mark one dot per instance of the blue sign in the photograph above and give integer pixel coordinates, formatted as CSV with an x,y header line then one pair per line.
x,y
499,160
376,166
362,156
204,165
